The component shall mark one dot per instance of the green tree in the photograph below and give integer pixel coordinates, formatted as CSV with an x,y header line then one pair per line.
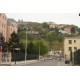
x,y
56,30
45,25
77,57
4,44
51,36
14,40
60,38
22,34
73,30
40,45
21,27
31,48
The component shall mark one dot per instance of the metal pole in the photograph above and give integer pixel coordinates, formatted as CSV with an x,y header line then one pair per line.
x,y
26,48
39,49
39,46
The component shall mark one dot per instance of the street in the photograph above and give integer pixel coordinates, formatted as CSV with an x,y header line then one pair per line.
x,y
48,63
38,63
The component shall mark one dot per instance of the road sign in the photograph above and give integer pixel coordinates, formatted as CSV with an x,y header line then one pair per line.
x,y
16,48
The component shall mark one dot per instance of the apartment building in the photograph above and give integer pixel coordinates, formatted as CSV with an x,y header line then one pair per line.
x,y
7,27
71,44
3,24
11,27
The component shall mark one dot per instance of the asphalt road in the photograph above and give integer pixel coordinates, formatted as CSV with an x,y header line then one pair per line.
x,y
48,63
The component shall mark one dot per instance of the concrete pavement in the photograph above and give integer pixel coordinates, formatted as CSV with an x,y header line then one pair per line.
x,y
37,63
48,63
19,63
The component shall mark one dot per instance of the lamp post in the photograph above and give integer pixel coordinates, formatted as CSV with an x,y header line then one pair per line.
x,y
39,46
39,49
26,45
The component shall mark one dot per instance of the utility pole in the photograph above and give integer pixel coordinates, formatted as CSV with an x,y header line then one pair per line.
x,y
39,49
39,46
26,46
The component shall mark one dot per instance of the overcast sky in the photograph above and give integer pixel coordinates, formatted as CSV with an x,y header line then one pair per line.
x,y
62,18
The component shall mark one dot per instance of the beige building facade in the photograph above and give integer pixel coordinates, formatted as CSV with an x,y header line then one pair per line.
x,y
11,27
71,44
3,24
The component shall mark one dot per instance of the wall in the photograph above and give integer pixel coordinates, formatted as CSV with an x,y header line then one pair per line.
x,y
67,45
3,24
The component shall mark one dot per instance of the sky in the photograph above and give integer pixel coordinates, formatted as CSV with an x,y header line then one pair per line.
x,y
59,18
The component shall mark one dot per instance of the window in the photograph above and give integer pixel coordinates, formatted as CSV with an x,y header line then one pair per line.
x,y
75,48
11,29
70,41
70,48
3,17
2,25
74,41
0,14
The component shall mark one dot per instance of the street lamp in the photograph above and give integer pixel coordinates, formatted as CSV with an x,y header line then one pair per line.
x,y
39,49
39,46
26,45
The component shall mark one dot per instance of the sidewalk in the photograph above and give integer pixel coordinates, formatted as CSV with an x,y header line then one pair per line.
x,y
18,63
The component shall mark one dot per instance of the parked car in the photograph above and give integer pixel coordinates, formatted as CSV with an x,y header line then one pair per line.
x,y
67,61
49,58
58,58
41,58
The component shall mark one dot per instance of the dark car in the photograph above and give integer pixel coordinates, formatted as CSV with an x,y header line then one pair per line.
x,y
67,61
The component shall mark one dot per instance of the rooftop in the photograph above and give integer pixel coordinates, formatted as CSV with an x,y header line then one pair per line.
x,y
72,37
10,20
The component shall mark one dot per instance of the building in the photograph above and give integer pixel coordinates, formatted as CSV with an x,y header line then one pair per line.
x,y
7,27
11,27
60,26
3,27
3,24
67,29
52,24
65,32
71,44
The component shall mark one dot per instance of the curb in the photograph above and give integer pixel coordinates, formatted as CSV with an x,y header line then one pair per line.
x,y
21,64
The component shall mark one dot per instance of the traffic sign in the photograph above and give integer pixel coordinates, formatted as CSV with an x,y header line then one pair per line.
x,y
16,48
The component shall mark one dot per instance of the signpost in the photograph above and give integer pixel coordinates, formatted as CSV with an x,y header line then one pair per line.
x,y
16,49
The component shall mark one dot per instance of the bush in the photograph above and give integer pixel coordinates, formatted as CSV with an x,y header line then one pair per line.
x,y
77,57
